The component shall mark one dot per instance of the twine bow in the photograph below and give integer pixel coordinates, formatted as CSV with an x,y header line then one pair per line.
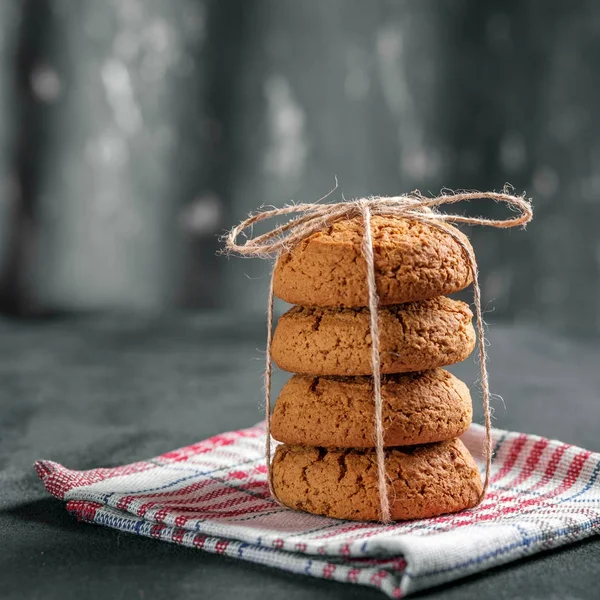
x,y
311,218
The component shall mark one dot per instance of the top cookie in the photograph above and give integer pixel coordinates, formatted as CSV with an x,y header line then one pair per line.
x,y
413,261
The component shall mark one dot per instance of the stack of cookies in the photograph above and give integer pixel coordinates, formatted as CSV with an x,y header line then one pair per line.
x,y
325,413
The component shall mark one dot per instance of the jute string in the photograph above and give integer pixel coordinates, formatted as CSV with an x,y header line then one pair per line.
x,y
311,218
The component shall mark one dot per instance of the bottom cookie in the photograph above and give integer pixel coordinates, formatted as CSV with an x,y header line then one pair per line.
x,y
423,481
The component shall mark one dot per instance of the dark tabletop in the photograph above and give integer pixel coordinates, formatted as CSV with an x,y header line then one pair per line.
x,y
91,392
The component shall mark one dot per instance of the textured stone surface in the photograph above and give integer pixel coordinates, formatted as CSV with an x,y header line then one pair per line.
x,y
424,481
418,408
103,392
413,261
413,337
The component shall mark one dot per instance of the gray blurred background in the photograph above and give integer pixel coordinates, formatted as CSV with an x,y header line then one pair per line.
x,y
134,132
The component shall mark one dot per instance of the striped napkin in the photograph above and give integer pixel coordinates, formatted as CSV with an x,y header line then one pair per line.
x,y
213,496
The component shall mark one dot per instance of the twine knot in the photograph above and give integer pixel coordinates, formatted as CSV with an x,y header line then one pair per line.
x,y
308,219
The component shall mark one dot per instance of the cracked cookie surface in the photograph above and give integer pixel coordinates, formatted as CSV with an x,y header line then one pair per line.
x,y
416,336
418,408
413,261
423,481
